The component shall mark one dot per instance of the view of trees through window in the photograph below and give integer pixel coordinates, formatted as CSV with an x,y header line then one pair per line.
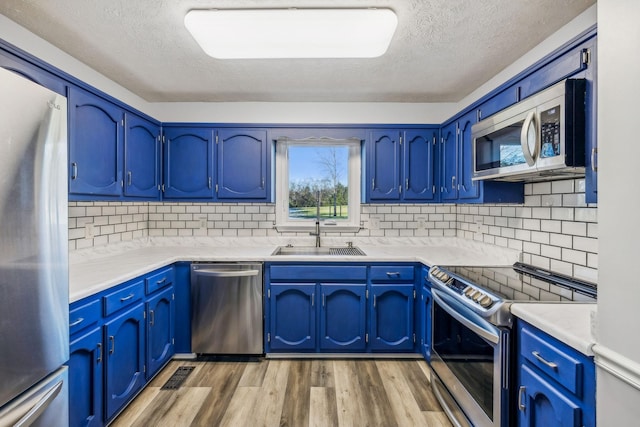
x,y
318,171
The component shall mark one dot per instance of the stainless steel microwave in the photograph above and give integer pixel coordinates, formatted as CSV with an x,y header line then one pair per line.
x,y
539,138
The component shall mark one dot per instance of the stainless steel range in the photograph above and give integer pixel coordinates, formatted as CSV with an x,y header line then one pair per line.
x,y
471,342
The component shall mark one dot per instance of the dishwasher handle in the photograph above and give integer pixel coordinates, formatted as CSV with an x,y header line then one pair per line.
x,y
227,273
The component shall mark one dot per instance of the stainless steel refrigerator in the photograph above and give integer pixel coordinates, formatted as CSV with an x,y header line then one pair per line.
x,y
34,279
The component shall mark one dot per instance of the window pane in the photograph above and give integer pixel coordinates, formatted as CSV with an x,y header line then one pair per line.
x,y
319,169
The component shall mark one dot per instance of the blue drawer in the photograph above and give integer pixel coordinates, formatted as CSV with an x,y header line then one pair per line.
x,y
123,298
159,280
84,316
317,272
392,273
557,360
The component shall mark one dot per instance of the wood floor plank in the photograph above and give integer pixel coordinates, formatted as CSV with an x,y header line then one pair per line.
x,y
295,408
437,419
349,395
172,408
223,379
323,411
420,386
253,375
405,407
267,409
376,402
239,408
137,407
322,373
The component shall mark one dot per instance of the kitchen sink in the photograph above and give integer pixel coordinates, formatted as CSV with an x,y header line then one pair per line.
x,y
312,250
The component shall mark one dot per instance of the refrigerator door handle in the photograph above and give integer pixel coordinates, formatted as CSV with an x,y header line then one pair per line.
x,y
43,400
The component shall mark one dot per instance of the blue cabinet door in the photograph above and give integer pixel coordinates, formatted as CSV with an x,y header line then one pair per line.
x,y
141,157
242,164
125,361
384,165
449,162
467,188
391,317
86,379
418,165
95,145
160,330
342,317
292,317
182,289
543,404
591,148
425,322
188,163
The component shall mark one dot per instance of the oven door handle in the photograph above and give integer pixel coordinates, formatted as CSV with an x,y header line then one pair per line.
x,y
488,335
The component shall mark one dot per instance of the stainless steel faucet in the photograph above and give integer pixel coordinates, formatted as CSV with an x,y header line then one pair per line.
x,y
317,231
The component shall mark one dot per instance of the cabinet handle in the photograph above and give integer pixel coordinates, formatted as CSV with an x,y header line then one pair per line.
x,y
262,182
406,184
538,356
453,182
393,274
594,151
123,299
521,393
313,299
77,322
373,184
374,301
113,344
129,178
209,182
151,318
99,360
74,170
160,282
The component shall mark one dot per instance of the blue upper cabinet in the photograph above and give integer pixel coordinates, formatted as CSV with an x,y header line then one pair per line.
x,y
418,164
591,148
467,188
188,163
400,166
242,164
33,73
142,157
449,162
95,145
384,165
500,101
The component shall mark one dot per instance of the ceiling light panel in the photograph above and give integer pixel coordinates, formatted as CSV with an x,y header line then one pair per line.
x,y
292,33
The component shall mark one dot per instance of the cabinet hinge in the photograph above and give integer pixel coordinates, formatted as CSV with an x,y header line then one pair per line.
x,y
173,296
414,294
216,139
144,314
216,188
268,293
366,338
433,189
122,122
366,294
144,368
400,189
414,338
163,188
400,140
435,139
163,139
122,183
586,56
173,341
269,337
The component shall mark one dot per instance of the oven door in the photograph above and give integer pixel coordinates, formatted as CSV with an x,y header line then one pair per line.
x,y
470,357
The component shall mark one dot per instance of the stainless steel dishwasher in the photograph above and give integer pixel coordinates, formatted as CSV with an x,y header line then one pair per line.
x,y
226,308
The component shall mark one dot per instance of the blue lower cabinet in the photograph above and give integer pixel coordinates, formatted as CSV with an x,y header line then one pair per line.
x,y
160,330
342,317
391,317
292,319
86,379
543,405
182,288
125,361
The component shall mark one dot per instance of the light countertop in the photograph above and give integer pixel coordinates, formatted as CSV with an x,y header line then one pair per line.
x,y
570,323
93,270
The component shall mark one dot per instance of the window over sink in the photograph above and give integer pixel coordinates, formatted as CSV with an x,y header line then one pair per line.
x,y
318,178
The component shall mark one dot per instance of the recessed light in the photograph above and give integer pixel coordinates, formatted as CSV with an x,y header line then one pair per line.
x,y
292,33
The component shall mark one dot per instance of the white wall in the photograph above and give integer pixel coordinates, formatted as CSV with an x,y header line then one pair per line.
x,y
619,207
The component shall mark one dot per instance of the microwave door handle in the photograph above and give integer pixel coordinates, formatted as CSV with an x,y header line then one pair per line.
x,y
529,121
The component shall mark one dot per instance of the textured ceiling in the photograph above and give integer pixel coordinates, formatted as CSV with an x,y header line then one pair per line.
x,y
441,52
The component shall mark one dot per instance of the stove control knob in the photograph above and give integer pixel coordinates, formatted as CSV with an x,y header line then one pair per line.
x,y
477,297
435,271
445,277
486,302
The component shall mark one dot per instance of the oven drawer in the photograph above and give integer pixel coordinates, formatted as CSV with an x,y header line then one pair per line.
x,y
553,358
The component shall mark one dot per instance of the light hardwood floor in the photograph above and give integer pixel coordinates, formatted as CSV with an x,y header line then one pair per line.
x,y
296,393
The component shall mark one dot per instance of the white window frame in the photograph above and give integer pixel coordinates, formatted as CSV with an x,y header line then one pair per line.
x,y
354,171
